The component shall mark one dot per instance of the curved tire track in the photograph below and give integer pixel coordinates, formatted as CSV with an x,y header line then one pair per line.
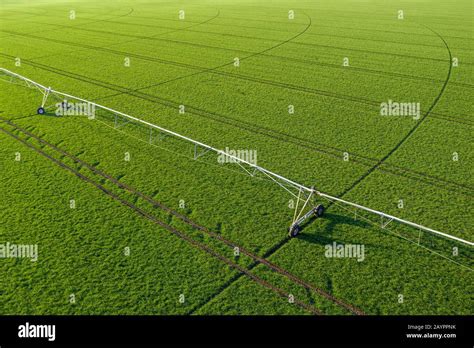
x,y
136,38
284,241
200,70
324,149
417,125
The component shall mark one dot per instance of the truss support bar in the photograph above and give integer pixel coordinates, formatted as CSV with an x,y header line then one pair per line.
x,y
118,124
279,183
303,208
45,95
197,154
383,225
296,207
405,222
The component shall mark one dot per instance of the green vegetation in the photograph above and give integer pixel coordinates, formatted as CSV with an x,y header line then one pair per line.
x,y
283,62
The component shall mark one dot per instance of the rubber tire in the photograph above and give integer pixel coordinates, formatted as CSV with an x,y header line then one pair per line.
x,y
294,231
319,210
41,111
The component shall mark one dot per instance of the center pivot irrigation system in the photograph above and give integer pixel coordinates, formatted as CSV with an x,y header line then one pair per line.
x,y
306,205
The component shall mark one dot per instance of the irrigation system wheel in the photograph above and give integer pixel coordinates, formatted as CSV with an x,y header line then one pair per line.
x,y
319,211
294,230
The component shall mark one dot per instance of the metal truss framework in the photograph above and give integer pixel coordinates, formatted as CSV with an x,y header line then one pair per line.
x,y
296,190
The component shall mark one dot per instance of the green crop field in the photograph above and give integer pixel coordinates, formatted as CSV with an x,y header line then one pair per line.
x,y
301,86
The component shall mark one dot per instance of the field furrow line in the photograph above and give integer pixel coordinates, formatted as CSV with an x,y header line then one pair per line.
x,y
270,133
156,204
305,62
214,70
286,240
414,128
180,234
